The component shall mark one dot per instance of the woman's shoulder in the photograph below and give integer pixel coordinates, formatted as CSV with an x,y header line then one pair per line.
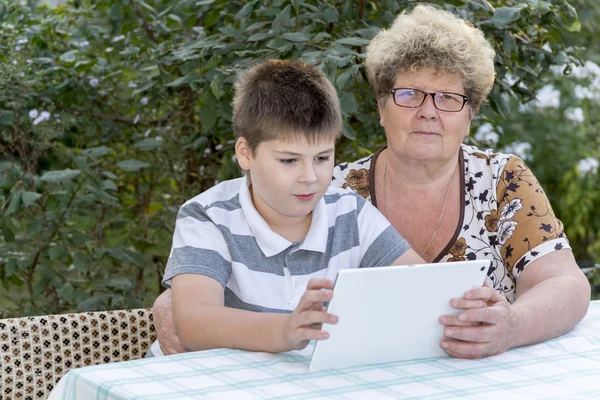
x,y
353,175
486,163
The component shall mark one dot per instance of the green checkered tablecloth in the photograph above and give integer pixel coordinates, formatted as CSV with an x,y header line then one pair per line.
x,y
566,368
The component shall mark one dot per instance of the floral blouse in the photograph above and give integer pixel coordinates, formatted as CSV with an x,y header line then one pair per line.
x,y
506,216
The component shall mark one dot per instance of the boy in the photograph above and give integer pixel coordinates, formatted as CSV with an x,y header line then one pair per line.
x,y
253,258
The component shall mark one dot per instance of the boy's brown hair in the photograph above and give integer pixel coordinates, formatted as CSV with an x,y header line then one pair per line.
x,y
285,100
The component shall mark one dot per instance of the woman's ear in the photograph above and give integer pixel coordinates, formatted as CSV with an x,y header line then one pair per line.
x,y
380,107
243,153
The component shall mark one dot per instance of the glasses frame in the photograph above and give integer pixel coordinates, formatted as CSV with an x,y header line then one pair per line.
x,y
432,94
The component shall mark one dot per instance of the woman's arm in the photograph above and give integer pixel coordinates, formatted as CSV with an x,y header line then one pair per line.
x,y
553,295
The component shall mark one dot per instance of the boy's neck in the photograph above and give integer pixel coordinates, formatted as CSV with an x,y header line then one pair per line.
x,y
293,229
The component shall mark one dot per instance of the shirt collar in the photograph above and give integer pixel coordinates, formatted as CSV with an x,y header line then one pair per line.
x,y
270,242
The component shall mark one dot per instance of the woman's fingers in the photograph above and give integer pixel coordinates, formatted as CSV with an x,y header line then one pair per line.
x,y
461,303
476,334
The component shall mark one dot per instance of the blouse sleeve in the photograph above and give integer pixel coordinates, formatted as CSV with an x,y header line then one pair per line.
x,y
526,226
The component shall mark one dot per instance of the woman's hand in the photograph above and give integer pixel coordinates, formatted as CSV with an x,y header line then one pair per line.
x,y
162,314
486,327
304,324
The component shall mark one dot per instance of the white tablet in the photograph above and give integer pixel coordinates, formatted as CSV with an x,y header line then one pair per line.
x,y
391,314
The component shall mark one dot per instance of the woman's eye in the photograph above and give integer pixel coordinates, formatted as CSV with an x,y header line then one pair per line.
x,y
323,159
287,161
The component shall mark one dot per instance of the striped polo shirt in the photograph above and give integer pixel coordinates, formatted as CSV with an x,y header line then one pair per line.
x,y
220,234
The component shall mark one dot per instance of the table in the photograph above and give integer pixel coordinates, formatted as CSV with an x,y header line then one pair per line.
x,y
567,368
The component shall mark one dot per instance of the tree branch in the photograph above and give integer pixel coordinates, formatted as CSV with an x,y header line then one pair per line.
x,y
116,118
145,24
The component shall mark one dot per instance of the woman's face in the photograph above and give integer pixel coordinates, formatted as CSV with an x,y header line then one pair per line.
x,y
425,133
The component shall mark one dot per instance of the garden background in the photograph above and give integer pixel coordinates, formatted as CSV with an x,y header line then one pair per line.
x,y
114,112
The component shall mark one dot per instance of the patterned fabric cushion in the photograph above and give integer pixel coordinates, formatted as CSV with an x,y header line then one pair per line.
x,y
36,352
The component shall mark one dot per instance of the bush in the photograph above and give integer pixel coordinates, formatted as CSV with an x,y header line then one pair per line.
x,y
114,112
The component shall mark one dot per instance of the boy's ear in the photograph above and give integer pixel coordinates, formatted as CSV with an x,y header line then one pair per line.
x,y
243,153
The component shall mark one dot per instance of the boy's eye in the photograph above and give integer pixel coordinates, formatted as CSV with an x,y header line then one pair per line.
x,y
287,161
323,159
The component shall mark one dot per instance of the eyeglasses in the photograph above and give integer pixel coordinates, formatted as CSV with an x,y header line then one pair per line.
x,y
443,101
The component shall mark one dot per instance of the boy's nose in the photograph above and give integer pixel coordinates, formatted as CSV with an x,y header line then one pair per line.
x,y
309,175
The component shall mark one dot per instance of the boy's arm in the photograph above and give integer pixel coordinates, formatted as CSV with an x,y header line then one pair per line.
x,y
203,322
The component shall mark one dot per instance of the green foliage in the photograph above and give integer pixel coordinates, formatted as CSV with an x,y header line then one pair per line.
x,y
114,112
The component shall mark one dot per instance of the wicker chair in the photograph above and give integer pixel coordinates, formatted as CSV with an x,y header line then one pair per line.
x,y
35,352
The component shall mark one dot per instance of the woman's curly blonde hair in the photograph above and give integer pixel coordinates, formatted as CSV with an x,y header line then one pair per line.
x,y
431,38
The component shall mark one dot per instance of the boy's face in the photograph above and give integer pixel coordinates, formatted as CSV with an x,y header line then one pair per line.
x,y
288,177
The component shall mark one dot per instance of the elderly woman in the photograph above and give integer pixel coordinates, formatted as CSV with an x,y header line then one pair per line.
x,y
430,72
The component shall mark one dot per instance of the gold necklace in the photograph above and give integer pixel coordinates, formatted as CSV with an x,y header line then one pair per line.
x,y
437,226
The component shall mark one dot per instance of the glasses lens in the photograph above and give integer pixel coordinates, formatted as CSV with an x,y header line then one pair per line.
x,y
448,101
408,97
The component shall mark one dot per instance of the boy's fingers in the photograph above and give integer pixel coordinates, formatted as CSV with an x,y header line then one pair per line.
x,y
308,318
319,283
311,334
313,296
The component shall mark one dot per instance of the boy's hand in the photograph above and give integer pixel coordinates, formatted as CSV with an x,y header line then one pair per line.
x,y
304,324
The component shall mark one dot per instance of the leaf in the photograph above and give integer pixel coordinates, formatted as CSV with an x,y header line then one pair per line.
x,y
66,292
260,36
57,252
96,152
146,144
296,37
81,262
348,132
504,16
509,43
353,41
29,198
109,175
277,44
569,19
127,256
281,20
122,284
8,234
109,185
145,87
208,113
80,162
331,15
57,176
39,287
42,60
94,303
116,11
319,37
68,57
7,118
204,3
229,31
216,86
343,79
132,165
348,103
184,80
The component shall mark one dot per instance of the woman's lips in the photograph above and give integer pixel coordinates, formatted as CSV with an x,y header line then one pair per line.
x,y
426,133
305,197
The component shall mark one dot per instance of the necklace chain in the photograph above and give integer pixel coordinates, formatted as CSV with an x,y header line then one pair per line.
x,y
437,226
